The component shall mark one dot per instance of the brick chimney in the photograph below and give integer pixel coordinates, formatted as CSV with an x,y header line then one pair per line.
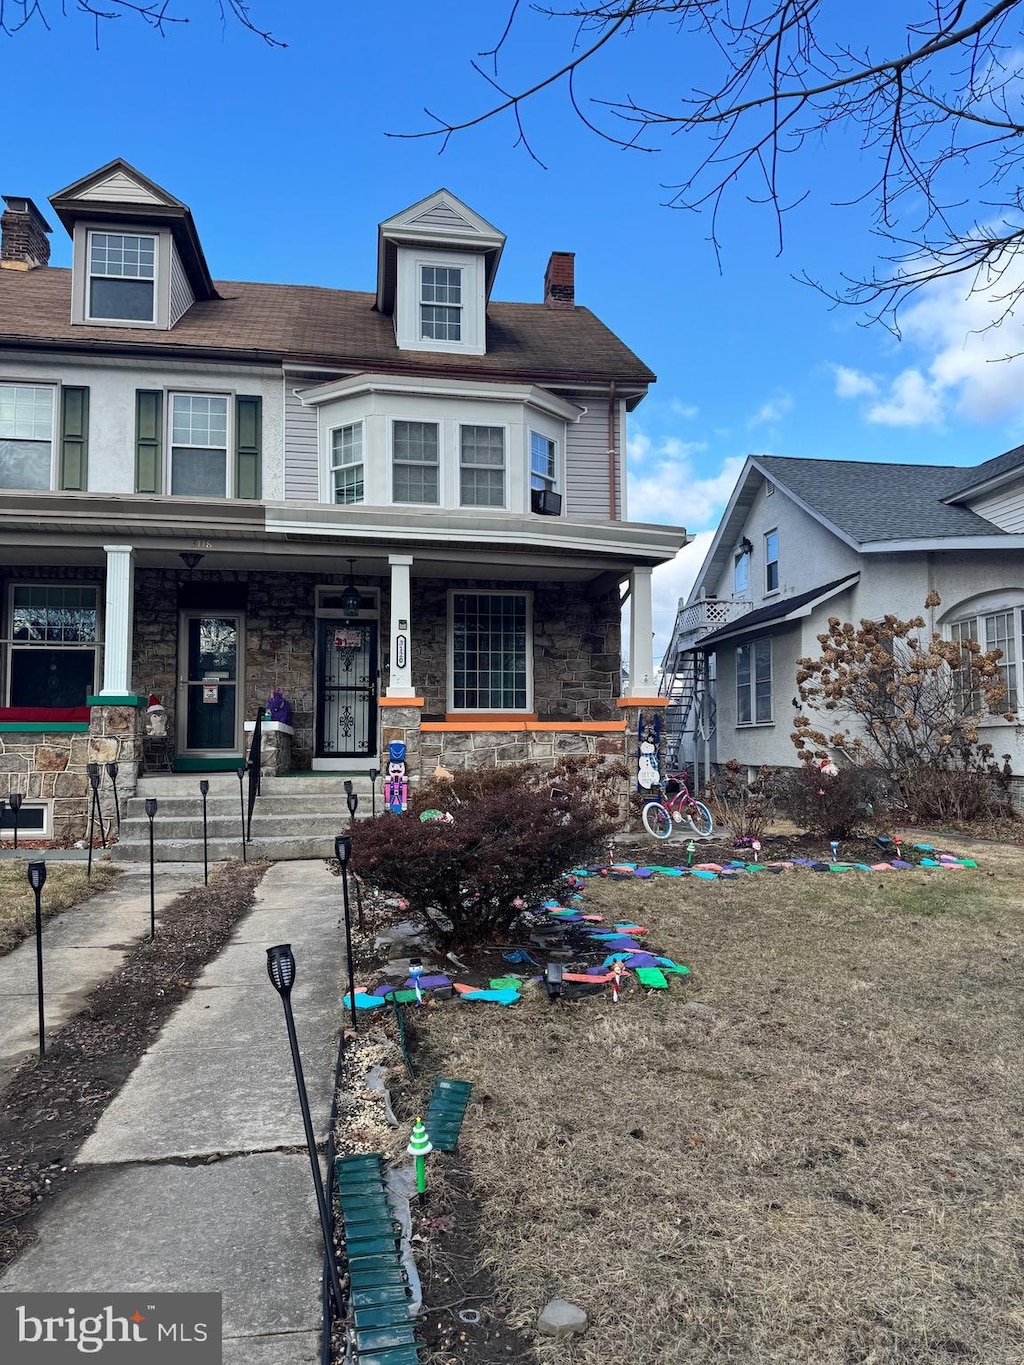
x,y
560,280
23,234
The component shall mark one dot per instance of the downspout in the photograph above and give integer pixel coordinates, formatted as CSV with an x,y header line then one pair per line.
x,y
612,452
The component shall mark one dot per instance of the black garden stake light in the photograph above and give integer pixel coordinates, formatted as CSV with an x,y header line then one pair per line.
x,y
3,812
241,806
553,980
150,812
352,801
15,804
343,852
37,880
281,970
93,769
204,788
112,774
373,774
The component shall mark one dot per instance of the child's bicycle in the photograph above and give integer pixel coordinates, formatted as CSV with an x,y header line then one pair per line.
x,y
660,816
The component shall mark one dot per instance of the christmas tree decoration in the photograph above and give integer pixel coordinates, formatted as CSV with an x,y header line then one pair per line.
x,y
419,1146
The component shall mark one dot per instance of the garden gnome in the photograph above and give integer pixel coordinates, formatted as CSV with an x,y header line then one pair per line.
x,y
156,717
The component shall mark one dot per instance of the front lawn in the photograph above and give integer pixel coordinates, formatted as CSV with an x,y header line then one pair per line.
x,y
66,885
827,1166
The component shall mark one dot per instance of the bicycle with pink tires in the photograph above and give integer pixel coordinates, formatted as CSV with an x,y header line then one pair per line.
x,y
661,816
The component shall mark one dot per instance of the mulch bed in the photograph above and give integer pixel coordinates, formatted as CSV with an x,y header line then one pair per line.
x,y
50,1106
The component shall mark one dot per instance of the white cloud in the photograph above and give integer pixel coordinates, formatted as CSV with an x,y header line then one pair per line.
x,y
672,581
852,383
971,347
771,411
666,487
682,409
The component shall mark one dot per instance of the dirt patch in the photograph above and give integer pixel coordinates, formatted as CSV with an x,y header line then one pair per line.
x,y
824,1167
66,885
50,1106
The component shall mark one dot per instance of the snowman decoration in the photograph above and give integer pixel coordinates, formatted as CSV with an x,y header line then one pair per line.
x,y
647,769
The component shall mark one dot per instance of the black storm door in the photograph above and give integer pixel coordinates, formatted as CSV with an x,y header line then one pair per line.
x,y
346,702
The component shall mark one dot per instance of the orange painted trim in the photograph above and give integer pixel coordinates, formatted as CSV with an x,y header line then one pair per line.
x,y
400,701
525,726
642,701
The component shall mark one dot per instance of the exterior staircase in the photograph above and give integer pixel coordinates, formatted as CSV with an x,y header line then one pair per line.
x,y
295,816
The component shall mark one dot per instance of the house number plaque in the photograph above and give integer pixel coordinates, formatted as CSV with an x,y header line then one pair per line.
x,y
400,651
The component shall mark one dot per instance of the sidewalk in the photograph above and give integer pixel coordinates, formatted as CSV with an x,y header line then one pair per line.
x,y
216,1088
81,947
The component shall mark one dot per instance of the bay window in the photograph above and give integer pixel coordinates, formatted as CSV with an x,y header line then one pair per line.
x,y
347,478
482,466
415,469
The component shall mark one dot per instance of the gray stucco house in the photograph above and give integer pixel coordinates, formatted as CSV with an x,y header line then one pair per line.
x,y
404,506
802,540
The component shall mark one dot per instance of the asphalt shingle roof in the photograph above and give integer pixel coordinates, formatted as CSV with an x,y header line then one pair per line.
x,y
991,469
327,326
871,501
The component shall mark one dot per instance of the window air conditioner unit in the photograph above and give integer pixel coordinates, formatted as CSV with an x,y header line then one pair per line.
x,y
546,503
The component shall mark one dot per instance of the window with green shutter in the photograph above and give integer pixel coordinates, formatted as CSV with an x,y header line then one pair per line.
x,y
74,438
149,417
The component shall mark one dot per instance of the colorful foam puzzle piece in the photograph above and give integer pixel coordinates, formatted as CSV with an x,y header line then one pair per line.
x,y
364,1001
702,872
652,978
507,996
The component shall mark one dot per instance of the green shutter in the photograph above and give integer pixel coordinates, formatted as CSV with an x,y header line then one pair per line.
x,y
248,446
74,439
149,420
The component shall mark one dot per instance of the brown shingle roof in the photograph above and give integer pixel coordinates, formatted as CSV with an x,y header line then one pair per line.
x,y
324,326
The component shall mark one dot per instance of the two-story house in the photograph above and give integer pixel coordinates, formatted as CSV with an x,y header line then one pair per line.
x,y
404,508
802,540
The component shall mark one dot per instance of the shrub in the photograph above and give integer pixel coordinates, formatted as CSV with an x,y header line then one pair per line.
x,y
746,808
836,805
506,836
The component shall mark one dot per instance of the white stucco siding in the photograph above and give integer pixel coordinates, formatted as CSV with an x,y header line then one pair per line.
x,y
112,390
809,554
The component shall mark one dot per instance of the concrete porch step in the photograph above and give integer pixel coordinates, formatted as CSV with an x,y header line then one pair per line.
x,y
226,784
275,849
226,825
188,807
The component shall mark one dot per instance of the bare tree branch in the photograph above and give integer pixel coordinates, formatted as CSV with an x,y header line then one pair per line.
x,y
157,14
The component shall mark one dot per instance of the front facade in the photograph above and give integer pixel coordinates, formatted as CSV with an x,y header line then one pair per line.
x,y
803,540
403,509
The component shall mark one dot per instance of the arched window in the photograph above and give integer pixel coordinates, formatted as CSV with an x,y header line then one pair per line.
x,y
994,620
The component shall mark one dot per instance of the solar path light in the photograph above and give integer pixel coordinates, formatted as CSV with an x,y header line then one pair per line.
x,y
553,980
373,774
15,799
281,970
112,774
93,770
204,788
37,880
241,806
343,853
150,812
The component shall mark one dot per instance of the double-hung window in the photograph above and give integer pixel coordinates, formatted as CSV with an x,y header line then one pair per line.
x,y
771,561
415,471
53,644
26,435
543,474
199,445
347,463
741,573
754,683
440,303
122,277
482,466
490,651
994,630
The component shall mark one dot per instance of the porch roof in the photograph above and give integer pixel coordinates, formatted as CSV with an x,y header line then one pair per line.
x,y
789,609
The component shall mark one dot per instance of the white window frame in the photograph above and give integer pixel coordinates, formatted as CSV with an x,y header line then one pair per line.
x,y
408,300
460,427
554,483
37,384
27,832
751,647
527,595
459,309
334,467
11,645
154,280
978,617
172,445
741,558
439,426
768,562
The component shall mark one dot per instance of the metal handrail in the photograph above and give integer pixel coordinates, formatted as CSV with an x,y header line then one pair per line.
x,y
254,772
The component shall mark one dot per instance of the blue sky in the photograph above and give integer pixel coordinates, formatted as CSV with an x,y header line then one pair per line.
x,y
284,159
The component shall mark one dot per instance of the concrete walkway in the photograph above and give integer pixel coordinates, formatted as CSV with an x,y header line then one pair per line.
x,y
216,1089
81,947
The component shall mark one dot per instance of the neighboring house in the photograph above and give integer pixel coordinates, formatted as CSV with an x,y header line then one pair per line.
x,y
404,508
803,540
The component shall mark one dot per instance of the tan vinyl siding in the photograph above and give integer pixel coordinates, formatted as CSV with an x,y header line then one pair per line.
x,y
120,189
1004,508
586,461
301,446
182,297
444,219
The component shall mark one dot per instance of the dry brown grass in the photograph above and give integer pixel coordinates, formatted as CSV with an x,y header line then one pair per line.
x,y
825,1169
66,885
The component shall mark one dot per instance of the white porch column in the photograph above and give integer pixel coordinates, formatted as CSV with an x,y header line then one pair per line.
x,y
117,621
400,679
641,640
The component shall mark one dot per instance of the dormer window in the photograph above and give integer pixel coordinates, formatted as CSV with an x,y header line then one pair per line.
x,y
122,277
440,303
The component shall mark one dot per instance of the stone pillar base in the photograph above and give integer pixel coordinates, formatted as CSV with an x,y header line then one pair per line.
x,y
275,746
114,737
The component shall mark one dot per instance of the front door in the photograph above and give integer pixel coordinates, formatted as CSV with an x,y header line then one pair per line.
x,y
346,701
211,655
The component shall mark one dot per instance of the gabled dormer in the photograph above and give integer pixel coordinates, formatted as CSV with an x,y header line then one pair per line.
x,y
436,263
137,257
